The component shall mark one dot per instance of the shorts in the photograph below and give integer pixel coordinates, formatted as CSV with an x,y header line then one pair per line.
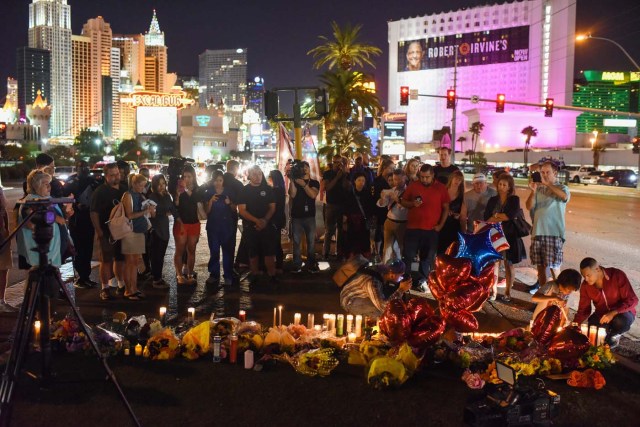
x,y
187,229
547,251
261,243
109,251
133,244
5,258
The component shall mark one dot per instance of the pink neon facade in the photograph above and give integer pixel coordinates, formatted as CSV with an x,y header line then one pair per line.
x,y
543,70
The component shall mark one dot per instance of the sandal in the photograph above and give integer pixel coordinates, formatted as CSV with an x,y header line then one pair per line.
x,y
505,299
132,297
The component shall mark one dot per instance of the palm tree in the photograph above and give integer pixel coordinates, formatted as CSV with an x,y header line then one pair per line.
x,y
347,92
530,132
346,139
344,50
476,129
462,140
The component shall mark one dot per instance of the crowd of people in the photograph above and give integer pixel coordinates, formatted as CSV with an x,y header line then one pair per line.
x,y
393,216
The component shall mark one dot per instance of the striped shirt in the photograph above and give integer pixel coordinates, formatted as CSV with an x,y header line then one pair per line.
x,y
367,285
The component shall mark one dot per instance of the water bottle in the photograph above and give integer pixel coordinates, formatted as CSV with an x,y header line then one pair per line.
x,y
216,348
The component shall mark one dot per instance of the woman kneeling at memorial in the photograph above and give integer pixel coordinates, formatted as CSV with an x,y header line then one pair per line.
x,y
369,290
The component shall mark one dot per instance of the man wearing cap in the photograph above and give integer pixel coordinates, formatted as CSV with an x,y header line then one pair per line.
x,y
476,201
369,291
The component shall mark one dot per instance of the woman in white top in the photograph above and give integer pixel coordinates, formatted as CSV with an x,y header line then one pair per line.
x,y
396,223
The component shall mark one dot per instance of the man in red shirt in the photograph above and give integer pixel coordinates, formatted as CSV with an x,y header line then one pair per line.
x,y
613,297
428,204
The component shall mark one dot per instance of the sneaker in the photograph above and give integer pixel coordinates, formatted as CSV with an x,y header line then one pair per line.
x,y
420,286
6,308
105,295
160,284
534,288
213,279
613,341
82,284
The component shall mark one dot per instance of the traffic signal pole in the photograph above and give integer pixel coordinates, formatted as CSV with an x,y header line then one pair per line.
x,y
297,127
455,109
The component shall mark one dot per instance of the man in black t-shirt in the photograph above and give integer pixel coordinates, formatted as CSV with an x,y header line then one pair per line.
x,y
103,199
302,196
234,187
445,168
335,183
256,205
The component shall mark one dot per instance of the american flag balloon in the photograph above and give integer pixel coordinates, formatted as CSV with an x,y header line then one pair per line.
x,y
498,240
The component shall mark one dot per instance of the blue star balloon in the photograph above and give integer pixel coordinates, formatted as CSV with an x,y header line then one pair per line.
x,y
478,249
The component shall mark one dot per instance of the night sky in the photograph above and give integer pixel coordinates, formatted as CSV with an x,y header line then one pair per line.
x,y
280,32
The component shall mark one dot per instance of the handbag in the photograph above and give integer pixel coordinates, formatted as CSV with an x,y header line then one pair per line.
x,y
520,225
370,223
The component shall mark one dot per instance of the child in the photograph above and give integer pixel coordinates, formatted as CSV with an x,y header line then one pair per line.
x,y
557,292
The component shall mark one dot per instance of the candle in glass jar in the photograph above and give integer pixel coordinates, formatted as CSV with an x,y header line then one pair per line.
x,y
242,315
351,337
296,318
593,334
332,323
138,349
163,312
317,328
602,333
358,325
310,320
192,313
340,325
325,321
349,327
275,311
280,315
36,332
248,359
584,329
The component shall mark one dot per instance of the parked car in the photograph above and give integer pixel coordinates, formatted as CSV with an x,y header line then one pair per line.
x,y
619,178
591,177
154,168
577,172
62,173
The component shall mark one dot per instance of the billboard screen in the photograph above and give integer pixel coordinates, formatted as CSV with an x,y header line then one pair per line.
x,y
477,48
156,120
393,141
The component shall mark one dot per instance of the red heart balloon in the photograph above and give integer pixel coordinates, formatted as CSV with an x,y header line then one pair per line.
x,y
437,291
482,298
461,321
395,322
426,332
464,296
546,324
419,309
450,271
486,277
568,344
452,250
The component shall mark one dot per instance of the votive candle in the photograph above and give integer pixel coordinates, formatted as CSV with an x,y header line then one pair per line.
x,y
242,315
138,349
584,329
602,333
192,313
351,337
358,325
280,315
349,327
310,320
325,321
163,312
296,318
317,328
332,323
340,325
36,332
593,334
274,316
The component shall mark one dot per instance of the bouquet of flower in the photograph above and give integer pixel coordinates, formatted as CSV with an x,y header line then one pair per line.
x,y
393,369
587,379
67,334
319,361
109,342
195,342
599,357
162,346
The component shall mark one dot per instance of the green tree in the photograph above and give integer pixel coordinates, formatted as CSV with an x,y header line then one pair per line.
x,y
476,129
347,92
530,132
344,50
462,140
346,139
89,143
125,146
62,154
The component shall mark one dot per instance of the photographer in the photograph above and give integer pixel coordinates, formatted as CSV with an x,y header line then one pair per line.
x,y
81,187
302,193
364,294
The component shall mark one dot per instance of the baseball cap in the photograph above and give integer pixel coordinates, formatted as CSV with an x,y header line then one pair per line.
x,y
396,266
479,177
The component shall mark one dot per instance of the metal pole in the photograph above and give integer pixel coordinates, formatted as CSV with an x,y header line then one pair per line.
x,y
619,47
297,127
455,109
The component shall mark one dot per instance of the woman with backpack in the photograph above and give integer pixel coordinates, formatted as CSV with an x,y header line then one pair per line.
x,y
159,235
133,244
186,228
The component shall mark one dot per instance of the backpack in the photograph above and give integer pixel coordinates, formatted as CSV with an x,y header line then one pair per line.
x,y
119,225
349,269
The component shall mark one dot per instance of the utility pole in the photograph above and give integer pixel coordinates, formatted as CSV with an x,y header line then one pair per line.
x,y
297,127
455,108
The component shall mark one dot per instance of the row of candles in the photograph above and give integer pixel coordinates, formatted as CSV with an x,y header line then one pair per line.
x,y
336,324
595,334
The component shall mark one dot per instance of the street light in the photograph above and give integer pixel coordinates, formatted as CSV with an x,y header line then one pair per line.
x,y
583,37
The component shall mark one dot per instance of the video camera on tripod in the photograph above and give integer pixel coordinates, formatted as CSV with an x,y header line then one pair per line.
x,y
174,171
525,403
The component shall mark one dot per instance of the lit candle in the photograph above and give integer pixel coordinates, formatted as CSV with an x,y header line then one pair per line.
x,y
248,359
138,349
36,332
349,327
274,317
242,315
340,325
296,318
163,312
584,329
192,313
351,337
602,333
325,321
358,325
279,315
332,323
317,328
593,334
310,320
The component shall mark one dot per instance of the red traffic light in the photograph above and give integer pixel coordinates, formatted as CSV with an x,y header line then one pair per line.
x,y
500,100
404,95
548,107
451,99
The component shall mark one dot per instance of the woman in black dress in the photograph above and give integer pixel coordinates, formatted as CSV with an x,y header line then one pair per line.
x,y
457,212
359,209
504,208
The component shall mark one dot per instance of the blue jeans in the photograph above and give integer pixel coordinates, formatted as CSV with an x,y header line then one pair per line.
x,y
620,323
221,238
308,226
424,243
362,306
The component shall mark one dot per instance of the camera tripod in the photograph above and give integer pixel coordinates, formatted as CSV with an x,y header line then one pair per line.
x,y
44,283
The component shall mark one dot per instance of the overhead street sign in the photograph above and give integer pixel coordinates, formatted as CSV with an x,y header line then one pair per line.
x,y
413,94
475,99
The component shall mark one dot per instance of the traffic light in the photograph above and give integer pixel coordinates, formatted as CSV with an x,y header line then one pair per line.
x,y
270,104
320,102
548,107
3,131
500,103
404,95
451,99
636,146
